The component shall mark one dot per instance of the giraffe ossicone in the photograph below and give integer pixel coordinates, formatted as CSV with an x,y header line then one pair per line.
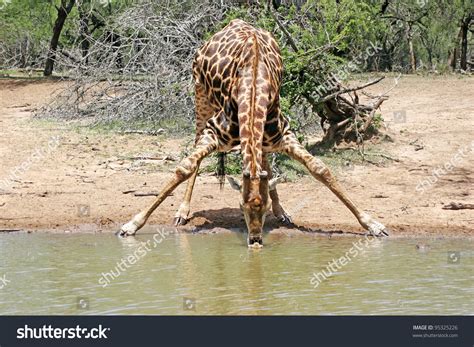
x,y
238,75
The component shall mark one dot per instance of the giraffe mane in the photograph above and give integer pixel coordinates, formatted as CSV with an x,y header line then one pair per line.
x,y
252,144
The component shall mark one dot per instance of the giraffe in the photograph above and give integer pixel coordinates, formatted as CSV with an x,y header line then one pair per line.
x,y
238,75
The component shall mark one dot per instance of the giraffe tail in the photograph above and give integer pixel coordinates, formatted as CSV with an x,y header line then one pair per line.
x,y
221,156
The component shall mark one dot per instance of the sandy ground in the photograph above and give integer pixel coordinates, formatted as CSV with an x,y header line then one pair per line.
x,y
78,182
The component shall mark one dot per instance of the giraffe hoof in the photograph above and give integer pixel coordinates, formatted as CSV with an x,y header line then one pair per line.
x,y
128,229
179,221
120,233
285,219
377,229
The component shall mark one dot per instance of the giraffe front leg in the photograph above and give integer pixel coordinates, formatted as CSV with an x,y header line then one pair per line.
x,y
319,170
181,217
206,145
278,211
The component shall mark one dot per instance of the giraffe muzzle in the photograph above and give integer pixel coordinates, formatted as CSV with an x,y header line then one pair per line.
x,y
255,241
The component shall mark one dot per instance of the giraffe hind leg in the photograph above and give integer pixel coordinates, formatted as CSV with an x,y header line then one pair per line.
x,y
282,216
181,217
206,145
291,146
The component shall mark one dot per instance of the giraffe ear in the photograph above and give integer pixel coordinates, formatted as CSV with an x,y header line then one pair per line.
x,y
274,181
234,183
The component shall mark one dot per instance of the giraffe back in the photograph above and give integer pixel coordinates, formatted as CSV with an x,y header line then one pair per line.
x,y
221,70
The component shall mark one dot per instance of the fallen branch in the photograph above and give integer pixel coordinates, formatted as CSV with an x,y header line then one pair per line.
x,y
144,132
458,206
140,194
145,157
145,194
372,113
348,90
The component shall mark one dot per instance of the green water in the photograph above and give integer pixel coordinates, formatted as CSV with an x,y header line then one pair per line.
x,y
217,274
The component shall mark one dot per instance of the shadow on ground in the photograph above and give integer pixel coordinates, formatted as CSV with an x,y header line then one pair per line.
x,y
233,219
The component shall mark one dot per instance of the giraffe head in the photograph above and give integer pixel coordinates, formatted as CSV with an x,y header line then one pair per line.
x,y
254,203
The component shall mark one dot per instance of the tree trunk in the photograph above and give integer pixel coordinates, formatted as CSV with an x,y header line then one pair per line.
x,y
453,54
63,12
412,56
464,30
452,58
386,56
411,50
84,32
430,59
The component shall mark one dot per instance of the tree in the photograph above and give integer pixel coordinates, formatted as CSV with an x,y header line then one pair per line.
x,y
463,17
23,26
62,12
322,43
84,31
408,16
465,23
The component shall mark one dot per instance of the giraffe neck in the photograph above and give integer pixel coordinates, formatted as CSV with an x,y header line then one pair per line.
x,y
252,107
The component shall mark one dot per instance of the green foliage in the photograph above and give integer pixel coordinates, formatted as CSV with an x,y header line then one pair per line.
x,y
26,26
346,24
30,17
233,164
328,35
378,121
331,39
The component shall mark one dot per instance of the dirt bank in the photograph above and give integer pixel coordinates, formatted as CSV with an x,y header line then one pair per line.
x,y
55,177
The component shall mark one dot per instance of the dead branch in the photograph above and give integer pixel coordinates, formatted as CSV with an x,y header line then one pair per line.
x,y
138,70
368,122
141,194
288,36
144,132
146,157
458,206
348,90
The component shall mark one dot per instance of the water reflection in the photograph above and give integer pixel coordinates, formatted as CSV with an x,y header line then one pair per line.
x,y
217,274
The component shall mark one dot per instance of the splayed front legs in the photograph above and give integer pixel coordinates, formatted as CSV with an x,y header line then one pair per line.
x,y
206,145
291,146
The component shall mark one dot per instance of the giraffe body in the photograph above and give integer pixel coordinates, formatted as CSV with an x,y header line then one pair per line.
x,y
237,77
